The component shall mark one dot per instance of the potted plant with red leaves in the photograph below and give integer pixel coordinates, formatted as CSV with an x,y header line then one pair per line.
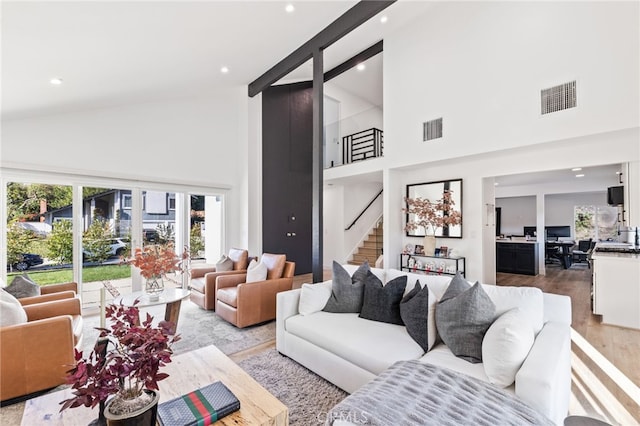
x,y
125,363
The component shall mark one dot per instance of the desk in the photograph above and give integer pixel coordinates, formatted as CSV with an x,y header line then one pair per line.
x,y
565,257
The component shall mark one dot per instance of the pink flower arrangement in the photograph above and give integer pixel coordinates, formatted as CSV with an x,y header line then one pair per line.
x,y
432,215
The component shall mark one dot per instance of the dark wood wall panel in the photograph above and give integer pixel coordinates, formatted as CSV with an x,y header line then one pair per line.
x,y
287,132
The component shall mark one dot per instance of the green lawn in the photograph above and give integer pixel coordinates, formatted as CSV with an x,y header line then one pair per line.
x,y
89,274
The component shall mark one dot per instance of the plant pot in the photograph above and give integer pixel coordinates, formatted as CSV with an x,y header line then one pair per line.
x,y
145,416
429,245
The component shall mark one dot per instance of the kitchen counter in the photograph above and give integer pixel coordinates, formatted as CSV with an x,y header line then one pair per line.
x,y
616,288
506,240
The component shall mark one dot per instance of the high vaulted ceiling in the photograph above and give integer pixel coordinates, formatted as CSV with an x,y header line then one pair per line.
x,y
113,53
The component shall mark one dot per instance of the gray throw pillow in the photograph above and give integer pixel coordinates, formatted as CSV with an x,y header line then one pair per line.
x,y
414,311
456,286
347,291
224,264
382,302
463,319
23,286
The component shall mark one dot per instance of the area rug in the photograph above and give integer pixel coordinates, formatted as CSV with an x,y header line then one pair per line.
x,y
197,328
308,396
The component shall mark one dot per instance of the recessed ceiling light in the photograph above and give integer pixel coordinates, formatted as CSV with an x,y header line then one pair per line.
x,y
289,8
384,19
496,184
360,67
580,175
56,81
576,169
224,70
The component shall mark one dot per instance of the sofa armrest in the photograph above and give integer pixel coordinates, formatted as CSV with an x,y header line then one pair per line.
x,y
286,307
53,309
47,298
201,271
231,280
35,355
544,380
56,288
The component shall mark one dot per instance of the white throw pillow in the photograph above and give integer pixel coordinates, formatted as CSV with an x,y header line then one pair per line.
x,y
256,272
506,345
11,311
313,297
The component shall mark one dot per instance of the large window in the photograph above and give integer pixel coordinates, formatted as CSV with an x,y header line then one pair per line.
x,y
82,232
596,222
39,232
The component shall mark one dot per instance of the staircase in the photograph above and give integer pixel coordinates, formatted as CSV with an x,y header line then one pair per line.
x,y
371,249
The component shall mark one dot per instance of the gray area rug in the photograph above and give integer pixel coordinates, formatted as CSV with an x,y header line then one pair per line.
x,y
308,396
197,328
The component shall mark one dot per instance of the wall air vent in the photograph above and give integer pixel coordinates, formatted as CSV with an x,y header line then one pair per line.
x,y
432,129
558,98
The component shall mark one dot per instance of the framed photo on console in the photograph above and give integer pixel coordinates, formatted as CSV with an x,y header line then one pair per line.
x,y
419,249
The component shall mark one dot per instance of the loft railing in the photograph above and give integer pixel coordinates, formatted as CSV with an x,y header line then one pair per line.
x,y
362,145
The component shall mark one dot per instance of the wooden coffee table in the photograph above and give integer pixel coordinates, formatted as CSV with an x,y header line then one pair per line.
x,y
187,372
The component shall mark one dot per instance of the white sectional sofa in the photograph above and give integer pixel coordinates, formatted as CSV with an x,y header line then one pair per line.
x,y
349,351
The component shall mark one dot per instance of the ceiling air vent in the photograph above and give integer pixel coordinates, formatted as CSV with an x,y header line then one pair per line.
x,y
558,98
432,129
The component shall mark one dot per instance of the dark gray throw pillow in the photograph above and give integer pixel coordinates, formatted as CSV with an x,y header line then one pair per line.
x,y
462,321
23,286
456,286
414,311
382,302
347,292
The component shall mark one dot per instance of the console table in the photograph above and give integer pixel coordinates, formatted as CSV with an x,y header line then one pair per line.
x,y
432,265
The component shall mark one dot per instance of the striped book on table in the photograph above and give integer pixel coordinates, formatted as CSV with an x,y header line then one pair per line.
x,y
201,407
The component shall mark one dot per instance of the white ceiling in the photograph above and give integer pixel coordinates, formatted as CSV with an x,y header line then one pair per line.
x,y
113,53
604,173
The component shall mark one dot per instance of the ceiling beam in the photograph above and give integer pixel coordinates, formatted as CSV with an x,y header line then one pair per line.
x,y
347,22
352,62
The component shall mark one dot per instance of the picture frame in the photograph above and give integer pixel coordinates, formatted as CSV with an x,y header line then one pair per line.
x,y
418,249
433,191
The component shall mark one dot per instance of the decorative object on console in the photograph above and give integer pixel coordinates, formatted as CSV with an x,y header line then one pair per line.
x,y
419,249
129,370
439,218
155,262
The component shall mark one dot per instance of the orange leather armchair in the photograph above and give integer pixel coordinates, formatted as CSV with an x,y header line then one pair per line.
x,y
203,280
36,355
244,304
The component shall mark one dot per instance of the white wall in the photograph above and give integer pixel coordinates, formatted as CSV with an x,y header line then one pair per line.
x,y
199,141
516,213
559,209
481,66
356,114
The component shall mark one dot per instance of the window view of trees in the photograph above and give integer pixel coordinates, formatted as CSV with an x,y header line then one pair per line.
x,y
596,222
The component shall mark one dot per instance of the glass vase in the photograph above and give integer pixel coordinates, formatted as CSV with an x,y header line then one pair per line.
x,y
153,287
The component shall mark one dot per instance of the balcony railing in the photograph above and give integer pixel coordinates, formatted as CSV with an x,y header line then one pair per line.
x,y
362,146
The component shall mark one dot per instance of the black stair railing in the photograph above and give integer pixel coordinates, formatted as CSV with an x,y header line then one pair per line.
x,y
362,145
364,210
